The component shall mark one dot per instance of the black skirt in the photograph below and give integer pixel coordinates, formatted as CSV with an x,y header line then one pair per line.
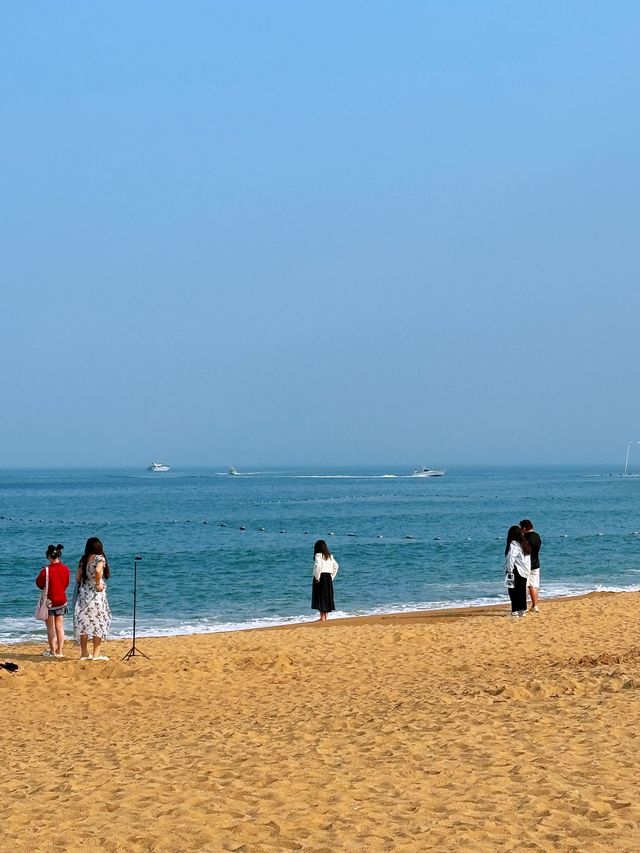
x,y
322,593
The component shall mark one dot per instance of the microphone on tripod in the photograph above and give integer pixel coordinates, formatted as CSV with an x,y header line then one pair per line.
x,y
133,651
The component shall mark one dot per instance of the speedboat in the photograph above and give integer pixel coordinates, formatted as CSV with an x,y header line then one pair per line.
x,y
232,471
158,466
428,472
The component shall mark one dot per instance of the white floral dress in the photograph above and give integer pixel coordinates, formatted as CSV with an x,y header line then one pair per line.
x,y
91,614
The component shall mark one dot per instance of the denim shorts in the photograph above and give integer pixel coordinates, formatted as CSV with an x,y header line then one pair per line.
x,y
59,611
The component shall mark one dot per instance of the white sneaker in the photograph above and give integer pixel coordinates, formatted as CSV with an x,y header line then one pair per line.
x,y
100,657
87,657
534,609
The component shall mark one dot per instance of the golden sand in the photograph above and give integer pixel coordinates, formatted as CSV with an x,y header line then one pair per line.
x,y
412,733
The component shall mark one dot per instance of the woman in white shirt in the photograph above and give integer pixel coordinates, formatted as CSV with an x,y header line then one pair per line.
x,y
325,568
517,568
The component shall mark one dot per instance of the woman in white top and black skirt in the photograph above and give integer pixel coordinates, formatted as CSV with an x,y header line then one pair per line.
x,y
325,568
517,568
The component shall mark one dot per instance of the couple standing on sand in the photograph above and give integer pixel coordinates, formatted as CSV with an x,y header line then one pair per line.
x,y
91,614
522,567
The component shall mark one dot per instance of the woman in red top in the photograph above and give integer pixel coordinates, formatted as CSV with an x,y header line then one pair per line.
x,y
56,599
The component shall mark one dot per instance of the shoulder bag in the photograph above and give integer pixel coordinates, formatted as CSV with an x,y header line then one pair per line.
x,y
42,610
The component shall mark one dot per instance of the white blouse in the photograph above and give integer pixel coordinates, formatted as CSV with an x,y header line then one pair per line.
x,y
321,565
516,559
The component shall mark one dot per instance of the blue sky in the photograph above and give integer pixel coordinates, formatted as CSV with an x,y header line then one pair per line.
x,y
319,233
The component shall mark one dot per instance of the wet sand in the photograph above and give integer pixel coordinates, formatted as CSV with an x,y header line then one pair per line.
x,y
448,730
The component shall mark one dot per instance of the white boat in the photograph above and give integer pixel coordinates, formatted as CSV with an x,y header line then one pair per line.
x,y
428,472
158,466
232,471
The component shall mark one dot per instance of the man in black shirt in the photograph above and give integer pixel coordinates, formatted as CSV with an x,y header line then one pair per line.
x,y
534,578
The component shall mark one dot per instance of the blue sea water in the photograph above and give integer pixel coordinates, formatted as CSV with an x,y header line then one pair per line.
x,y
403,543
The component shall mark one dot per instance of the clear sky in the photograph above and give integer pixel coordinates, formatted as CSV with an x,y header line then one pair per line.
x,y
271,233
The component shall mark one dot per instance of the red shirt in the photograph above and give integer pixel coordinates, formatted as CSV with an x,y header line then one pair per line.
x,y
58,583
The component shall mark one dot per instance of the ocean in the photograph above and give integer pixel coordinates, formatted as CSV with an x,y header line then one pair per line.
x,y
223,552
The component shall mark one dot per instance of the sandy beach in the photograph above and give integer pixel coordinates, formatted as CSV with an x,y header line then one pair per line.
x,y
442,731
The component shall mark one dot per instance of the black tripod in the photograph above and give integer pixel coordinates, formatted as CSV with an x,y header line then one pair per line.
x,y
133,652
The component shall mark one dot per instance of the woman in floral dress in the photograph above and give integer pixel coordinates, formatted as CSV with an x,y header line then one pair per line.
x,y
91,614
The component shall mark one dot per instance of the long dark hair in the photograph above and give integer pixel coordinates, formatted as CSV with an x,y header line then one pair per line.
x,y
94,547
515,534
321,547
54,552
